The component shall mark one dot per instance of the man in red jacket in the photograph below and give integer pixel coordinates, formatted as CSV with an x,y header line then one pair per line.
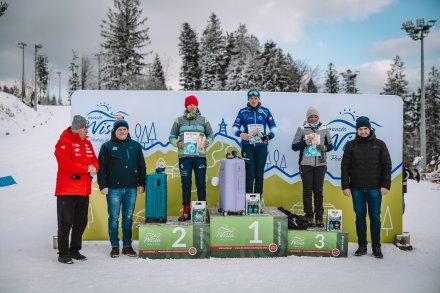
x,y
77,163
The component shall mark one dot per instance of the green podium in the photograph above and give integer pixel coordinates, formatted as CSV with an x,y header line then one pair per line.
x,y
174,240
263,235
318,242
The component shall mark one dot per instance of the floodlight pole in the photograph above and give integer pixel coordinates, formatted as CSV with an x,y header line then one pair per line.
x,y
23,90
419,32
59,85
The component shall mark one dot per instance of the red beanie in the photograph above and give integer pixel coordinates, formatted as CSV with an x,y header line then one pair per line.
x,y
191,100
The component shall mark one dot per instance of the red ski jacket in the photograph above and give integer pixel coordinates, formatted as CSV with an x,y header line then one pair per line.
x,y
74,157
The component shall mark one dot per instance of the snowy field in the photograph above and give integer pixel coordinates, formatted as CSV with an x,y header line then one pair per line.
x,y
28,221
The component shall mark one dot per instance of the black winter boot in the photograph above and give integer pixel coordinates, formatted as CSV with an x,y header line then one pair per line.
x,y
377,252
362,250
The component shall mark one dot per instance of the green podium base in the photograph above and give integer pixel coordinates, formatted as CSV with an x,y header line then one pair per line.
x,y
174,240
318,243
263,235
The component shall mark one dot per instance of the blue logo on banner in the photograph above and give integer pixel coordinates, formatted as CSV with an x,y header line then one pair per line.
x,y
101,119
343,130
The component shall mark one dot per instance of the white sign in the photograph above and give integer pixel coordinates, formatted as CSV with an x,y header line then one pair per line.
x,y
150,115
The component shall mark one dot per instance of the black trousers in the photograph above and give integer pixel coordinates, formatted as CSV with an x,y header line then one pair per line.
x,y
313,181
72,214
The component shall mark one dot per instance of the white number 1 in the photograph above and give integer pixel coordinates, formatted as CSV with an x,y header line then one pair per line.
x,y
254,226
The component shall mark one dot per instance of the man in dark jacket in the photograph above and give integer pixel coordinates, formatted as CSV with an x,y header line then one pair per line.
x,y
366,176
121,174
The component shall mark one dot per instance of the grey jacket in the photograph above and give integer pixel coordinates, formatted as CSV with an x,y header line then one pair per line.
x,y
299,144
198,124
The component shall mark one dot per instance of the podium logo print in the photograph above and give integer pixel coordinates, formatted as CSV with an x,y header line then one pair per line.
x,y
225,232
298,241
152,238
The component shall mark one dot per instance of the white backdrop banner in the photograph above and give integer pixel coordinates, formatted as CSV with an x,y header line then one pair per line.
x,y
150,115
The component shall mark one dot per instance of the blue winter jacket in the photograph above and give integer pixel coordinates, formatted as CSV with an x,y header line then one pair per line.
x,y
121,164
258,115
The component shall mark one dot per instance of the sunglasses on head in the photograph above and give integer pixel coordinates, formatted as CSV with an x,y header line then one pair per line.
x,y
254,93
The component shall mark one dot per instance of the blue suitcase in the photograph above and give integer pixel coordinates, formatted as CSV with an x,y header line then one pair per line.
x,y
156,198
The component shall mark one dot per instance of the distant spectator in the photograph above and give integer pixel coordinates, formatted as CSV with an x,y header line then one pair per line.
x,y
408,174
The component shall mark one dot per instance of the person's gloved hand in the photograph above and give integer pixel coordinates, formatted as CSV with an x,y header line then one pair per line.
x,y
265,138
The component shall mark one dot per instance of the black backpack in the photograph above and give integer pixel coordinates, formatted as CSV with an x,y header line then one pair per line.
x,y
294,221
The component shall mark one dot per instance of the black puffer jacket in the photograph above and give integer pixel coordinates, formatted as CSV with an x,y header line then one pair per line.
x,y
366,164
121,164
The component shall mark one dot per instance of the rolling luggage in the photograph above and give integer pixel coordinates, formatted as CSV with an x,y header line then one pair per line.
x,y
232,186
156,198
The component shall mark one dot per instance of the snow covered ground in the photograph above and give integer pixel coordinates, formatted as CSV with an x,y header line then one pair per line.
x,y
29,264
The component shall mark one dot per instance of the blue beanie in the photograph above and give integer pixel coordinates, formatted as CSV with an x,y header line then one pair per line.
x,y
120,122
363,121
253,93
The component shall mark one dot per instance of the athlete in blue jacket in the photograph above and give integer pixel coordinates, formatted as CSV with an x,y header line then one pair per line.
x,y
254,119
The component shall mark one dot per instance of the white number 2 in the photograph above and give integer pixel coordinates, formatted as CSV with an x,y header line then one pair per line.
x,y
177,243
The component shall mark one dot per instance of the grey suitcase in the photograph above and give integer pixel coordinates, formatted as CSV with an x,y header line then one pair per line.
x,y
232,186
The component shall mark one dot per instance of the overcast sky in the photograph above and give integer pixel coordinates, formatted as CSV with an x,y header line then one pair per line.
x,y
356,34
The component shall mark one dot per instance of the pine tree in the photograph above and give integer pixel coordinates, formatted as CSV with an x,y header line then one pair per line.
x,y
272,63
124,37
3,7
42,76
242,50
396,83
294,75
311,87
157,76
411,126
74,77
86,73
432,113
213,57
332,81
190,72
349,82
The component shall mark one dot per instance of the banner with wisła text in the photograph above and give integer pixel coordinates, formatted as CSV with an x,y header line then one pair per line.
x,y
150,115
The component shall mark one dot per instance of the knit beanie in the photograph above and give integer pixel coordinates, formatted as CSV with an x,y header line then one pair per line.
x,y
311,111
79,122
191,100
120,122
363,122
253,93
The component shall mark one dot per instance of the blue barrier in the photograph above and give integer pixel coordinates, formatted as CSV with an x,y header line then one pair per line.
x,y
6,181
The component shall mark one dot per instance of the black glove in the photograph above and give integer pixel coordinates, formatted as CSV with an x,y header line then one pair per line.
x,y
265,138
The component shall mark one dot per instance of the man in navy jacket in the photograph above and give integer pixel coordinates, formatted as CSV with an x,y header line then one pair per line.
x,y
121,174
366,177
